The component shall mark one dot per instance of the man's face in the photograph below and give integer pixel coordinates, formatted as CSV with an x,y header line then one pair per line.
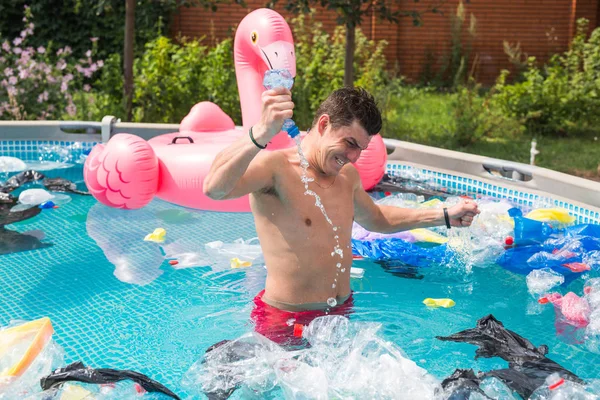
x,y
340,146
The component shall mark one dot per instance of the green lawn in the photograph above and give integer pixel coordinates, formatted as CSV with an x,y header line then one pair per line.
x,y
427,118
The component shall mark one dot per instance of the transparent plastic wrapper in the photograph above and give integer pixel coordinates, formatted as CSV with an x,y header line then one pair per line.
x,y
558,388
404,200
493,220
227,365
244,250
591,292
136,261
540,281
496,389
592,258
186,256
35,197
571,309
11,164
592,332
345,360
299,380
27,353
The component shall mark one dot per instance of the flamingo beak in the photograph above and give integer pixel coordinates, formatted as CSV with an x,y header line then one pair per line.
x,y
280,55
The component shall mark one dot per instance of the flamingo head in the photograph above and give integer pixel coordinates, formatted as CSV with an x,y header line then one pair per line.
x,y
264,40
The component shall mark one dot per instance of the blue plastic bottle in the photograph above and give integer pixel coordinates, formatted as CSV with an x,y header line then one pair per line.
x,y
282,78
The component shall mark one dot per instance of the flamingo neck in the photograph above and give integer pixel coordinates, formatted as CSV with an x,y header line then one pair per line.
x,y
249,77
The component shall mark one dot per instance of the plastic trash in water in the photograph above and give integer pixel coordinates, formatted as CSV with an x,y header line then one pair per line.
x,y
529,231
557,387
11,164
158,236
27,353
221,254
237,263
78,372
275,78
356,272
551,215
570,308
346,359
540,281
35,197
435,303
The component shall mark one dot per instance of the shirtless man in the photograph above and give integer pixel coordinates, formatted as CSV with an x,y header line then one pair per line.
x,y
296,239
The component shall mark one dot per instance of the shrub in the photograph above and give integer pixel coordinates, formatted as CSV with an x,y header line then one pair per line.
x,y
561,98
67,21
38,83
320,66
170,77
474,119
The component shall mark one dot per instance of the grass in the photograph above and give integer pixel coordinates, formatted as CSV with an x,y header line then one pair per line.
x,y
427,117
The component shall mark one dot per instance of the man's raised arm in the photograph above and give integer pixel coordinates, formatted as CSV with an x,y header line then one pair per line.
x,y
237,170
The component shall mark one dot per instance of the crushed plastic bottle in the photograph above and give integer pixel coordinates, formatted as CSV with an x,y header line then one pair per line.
x,y
540,281
282,78
558,388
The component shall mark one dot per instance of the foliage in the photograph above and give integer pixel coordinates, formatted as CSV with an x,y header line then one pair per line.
x,y
72,22
320,58
454,70
38,83
169,79
474,119
561,98
351,13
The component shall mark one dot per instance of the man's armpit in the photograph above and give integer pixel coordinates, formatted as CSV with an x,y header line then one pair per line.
x,y
269,191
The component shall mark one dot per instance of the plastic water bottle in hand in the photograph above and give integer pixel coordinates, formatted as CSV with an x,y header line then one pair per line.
x,y
275,78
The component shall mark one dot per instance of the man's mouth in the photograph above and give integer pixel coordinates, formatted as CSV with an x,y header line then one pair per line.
x,y
340,162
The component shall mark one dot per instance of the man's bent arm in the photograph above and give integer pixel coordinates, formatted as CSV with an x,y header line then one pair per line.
x,y
237,170
390,219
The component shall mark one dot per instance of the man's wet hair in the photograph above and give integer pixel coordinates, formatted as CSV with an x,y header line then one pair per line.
x,y
346,105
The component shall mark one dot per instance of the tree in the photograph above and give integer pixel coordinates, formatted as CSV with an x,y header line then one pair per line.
x,y
351,13
128,57
128,52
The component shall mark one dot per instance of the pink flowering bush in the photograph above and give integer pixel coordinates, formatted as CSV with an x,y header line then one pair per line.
x,y
39,83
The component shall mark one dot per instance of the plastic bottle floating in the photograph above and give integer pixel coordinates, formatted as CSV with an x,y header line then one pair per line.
x,y
237,263
435,303
158,236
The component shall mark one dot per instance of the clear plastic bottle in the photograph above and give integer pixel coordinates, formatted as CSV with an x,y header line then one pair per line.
x,y
281,78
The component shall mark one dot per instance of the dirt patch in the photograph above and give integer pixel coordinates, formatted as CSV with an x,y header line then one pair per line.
x,y
591,175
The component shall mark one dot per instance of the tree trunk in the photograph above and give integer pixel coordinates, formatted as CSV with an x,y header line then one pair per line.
x,y
349,60
128,56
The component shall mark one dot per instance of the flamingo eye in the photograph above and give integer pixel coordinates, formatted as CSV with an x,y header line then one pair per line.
x,y
254,37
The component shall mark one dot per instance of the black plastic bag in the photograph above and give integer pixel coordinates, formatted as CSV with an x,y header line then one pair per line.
x,y
528,365
80,373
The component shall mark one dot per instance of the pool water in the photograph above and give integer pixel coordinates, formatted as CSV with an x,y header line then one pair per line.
x,y
156,319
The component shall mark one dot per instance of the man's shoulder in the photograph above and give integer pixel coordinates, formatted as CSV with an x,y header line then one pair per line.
x,y
275,158
350,173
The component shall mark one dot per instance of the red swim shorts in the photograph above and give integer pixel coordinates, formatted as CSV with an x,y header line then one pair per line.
x,y
278,325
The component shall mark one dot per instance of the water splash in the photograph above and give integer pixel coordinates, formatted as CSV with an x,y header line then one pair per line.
x,y
337,250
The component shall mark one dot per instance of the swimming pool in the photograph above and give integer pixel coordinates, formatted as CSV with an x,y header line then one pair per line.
x,y
156,319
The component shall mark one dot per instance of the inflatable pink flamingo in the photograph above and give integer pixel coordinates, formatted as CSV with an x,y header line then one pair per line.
x,y
128,172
